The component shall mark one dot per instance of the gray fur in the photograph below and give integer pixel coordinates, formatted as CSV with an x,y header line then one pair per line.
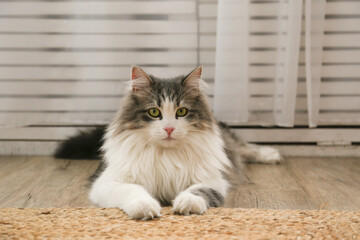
x,y
212,197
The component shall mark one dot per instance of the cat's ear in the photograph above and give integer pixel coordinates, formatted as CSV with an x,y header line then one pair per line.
x,y
139,79
193,79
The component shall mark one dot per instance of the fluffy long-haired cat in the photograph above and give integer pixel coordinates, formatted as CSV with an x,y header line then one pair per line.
x,y
165,147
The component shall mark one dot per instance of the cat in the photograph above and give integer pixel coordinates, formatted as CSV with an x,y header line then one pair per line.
x,y
164,147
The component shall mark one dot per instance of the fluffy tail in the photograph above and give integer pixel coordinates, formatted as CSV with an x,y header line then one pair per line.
x,y
252,153
85,145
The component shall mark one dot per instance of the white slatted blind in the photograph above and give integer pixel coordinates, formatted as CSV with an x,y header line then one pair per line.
x,y
64,62
340,89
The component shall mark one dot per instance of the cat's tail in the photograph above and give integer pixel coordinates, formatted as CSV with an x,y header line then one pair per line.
x,y
241,151
84,145
252,153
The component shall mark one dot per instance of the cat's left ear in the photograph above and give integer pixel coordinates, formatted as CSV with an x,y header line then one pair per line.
x,y
140,80
193,79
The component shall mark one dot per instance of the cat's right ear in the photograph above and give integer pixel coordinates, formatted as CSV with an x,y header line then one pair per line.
x,y
139,79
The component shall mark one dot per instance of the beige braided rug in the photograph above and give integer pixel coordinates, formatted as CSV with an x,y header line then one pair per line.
x,y
217,223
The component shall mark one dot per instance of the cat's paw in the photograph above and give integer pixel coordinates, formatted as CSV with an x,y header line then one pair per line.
x,y
187,203
144,209
269,155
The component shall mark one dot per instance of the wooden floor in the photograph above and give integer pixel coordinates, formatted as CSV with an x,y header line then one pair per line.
x,y
298,183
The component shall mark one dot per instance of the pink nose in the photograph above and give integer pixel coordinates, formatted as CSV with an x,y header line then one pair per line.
x,y
169,130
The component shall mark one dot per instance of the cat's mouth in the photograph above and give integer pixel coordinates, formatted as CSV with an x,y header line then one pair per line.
x,y
168,139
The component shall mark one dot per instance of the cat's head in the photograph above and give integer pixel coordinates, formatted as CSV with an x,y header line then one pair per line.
x,y
166,111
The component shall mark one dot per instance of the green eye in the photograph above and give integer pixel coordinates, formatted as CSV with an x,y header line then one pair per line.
x,y
181,112
154,112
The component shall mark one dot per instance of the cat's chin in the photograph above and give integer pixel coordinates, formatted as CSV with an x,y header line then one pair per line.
x,y
168,142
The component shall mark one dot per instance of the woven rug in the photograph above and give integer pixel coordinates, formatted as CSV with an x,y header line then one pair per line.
x,y
217,223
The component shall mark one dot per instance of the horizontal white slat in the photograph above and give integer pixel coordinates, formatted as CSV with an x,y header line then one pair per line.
x,y
299,135
171,57
326,103
100,58
207,10
99,41
115,73
28,147
118,88
328,71
325,118
97,8
100,104
270,41
17,119
339,118
60,104
320,151
98,26
327,88
343,56
334,25
88,73
62,88
336,71
88,88
255,119
343,8
38,133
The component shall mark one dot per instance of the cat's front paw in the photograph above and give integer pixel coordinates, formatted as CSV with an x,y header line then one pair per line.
x,y
187,203
144,209
269,155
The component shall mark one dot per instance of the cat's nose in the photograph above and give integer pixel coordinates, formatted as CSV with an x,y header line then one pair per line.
x,y
169,130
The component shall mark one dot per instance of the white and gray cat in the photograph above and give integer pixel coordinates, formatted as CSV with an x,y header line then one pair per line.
x,y
165,147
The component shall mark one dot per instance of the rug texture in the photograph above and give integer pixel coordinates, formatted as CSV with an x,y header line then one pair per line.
x,y
217,223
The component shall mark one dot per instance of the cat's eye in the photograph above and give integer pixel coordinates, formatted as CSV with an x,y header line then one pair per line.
x,y
154,112
181,112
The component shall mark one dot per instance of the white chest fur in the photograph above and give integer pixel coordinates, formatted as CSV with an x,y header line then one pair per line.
x,y
165,172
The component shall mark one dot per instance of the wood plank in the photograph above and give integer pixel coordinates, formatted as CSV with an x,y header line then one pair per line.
x,y
98,26
332,183
299,183
46,182
269,187
10,162
97,8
